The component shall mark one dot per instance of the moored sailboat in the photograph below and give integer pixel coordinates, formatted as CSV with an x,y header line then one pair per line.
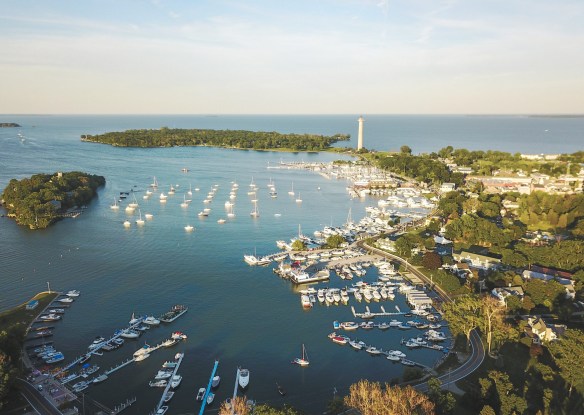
x,y
302,361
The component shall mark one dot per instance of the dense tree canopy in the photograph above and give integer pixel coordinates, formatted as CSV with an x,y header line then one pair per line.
x,y
39,200
259,140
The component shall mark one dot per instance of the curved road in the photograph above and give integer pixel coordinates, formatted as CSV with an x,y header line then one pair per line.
x,y
477,350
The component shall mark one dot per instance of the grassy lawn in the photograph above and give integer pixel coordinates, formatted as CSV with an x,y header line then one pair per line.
x,y
19,317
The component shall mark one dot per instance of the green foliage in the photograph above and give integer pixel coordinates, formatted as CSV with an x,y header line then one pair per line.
x,y
412,373
405,149
544,293
510,403
33,201
568,354
444,401
336,406
446,280
166,137
298,245
474,230
452,204
566,255
7,375
335,241
545,211
463,315
268,410
487,410
431,260
422,168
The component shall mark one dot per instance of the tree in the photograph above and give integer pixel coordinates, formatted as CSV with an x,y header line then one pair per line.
x,y
7,376
487,410
298,245
239,406
444,400
568,354
463,315
405,150
431,260
335,241
510,402
492,314
370,398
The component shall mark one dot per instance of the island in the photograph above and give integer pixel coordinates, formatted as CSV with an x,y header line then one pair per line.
x,y
43,199
239,139
9,124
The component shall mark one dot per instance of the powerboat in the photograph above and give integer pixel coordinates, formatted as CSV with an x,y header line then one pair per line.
x,y
152,321
215,381
73,293
130,334
168,396
158,383
201,394
175,381
210,398
162,410
141,357
243,378
100,378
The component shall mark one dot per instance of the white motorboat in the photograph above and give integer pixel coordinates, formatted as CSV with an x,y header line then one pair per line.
x,y
78,387
221,221
302,361
148,215
162,410
143,350
243,378
168,396
210,398
162,374
100,378
393,357
96,343
189,228
152,321
169,342
130,334
141,357
201,394
215,382
175,381
65,300
305,301
127,224
203,213
73,293
158,383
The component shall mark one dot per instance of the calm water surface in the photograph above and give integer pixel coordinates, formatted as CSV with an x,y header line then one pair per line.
x,y
243,316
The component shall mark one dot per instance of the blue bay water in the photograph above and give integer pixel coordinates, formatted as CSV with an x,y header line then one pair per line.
x,y
243,316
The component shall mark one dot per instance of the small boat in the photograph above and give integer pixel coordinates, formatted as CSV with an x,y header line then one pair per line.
x,y
56,358
130,334
175,381
168,396
148,215
221,221
302,361
158,383
215,381
162,410
298,199
73,293
179,335
373,350
141,357
152,321
169,342
169,365
281,390
356,345
80,386
243,378
65,300
115,206
201,394
189,228
210,398
96,343
162,374
393,357
100,378
143,350
127,224
140,221
203,213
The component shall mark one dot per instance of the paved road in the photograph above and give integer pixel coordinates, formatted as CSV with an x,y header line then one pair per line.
x,y
477,350
36,399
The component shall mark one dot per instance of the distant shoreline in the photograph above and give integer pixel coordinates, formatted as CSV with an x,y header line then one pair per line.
x,y
9,125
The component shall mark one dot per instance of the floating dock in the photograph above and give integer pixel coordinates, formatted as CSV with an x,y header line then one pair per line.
x,y
209,387
161,402
369,314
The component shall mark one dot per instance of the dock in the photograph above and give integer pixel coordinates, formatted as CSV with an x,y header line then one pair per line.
x,y
369,314
118,367
209,386
235,391
161,402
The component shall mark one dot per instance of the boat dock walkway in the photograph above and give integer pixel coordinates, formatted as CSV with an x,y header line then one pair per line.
x,y
168,385
369,314
209,387
118,367
235,390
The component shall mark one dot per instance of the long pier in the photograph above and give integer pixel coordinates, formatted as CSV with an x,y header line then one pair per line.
x,y
118,367
234,391
168,385
369,314
209,387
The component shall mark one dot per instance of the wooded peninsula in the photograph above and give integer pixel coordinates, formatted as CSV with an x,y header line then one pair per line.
x,y
240,139
43,199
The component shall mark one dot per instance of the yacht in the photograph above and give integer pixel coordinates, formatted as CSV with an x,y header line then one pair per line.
x,y
73,293
210,398
152,321
158,383
189,228
243,378
148,215
115,206
100,378
130,334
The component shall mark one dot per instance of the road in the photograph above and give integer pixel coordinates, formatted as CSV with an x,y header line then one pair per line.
x,y
40,404
477,350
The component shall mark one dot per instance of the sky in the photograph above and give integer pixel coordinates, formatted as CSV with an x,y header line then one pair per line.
x,y
292,57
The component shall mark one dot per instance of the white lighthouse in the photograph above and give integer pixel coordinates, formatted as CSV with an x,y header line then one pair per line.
x,y
360,136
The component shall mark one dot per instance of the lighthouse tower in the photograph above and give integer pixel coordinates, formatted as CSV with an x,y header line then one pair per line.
x,y
360,136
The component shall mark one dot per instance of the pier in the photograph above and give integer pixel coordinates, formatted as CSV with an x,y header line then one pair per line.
x,y
168,385
118,367
209,386
123,406
235,391
369,314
